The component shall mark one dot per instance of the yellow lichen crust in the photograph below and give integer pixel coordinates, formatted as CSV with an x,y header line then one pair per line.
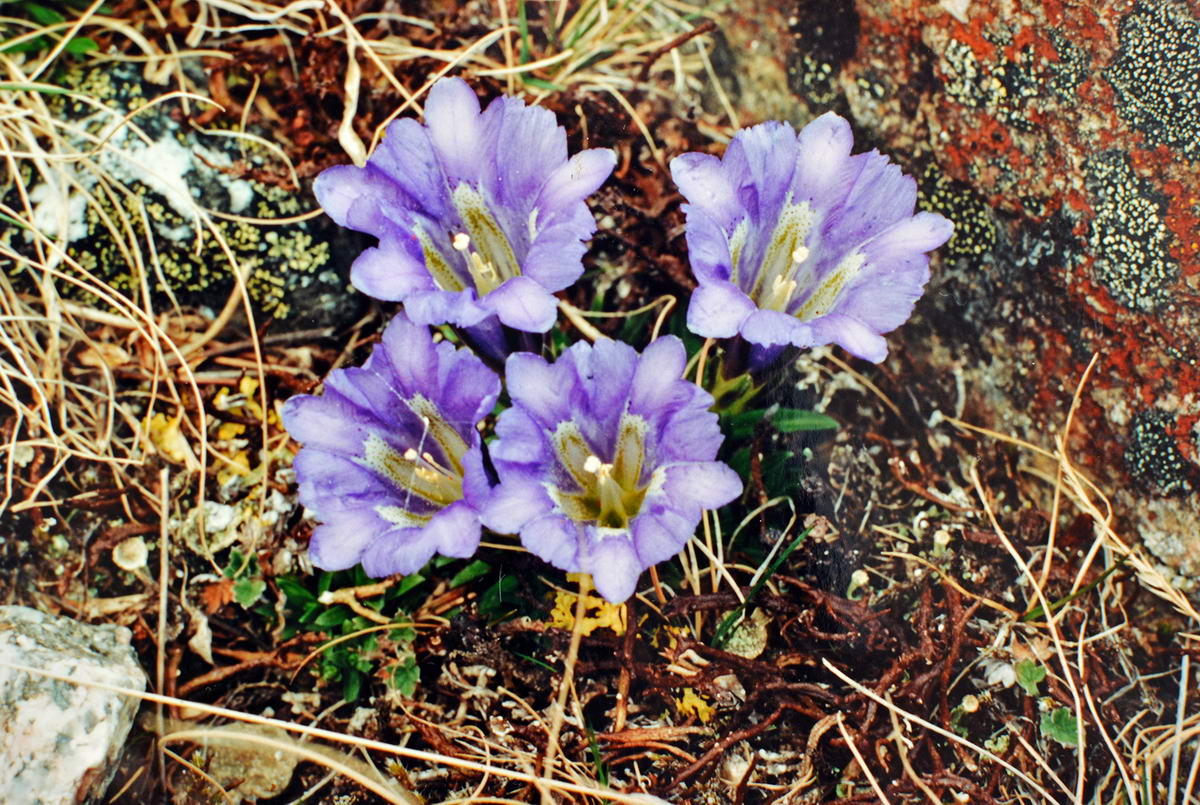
x,y
170,210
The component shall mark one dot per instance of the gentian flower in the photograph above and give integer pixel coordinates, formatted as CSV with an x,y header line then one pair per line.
x,y
391,463
605,459
795,241
476,214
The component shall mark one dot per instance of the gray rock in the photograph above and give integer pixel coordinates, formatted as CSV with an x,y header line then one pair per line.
x,y
196,201
59,742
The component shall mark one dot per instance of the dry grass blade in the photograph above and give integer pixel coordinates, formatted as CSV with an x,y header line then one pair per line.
x,y
561,786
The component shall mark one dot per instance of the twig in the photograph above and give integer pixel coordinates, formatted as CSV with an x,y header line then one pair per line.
x,y
564,685
862,763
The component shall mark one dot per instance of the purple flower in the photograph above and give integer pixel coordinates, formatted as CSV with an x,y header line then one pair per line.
x,y
391,463
796,241
476,214
606,460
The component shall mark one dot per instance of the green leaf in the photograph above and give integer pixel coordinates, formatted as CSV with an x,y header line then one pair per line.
x,y
725,629
470,573
405,676
408,582
405,634
81,44
235,564
791,420
42,14
492,604
28,46
1061,725
741,426
1029,675
541,83
296,593
247,591
332,617
352,685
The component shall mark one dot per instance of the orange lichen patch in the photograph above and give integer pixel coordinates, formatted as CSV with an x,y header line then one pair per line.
x,y
1029,38
972,34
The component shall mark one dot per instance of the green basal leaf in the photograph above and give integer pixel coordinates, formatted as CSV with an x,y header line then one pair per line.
x,y
1061,725
296,593
469,573
791,420
352,685
405,676
1029,675
81,44
332,617
42,14
247,591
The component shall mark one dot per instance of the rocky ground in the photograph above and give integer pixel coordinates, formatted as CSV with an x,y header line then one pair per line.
x,y
1029,447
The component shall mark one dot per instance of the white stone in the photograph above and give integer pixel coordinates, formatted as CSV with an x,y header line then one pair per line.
x,y
60,742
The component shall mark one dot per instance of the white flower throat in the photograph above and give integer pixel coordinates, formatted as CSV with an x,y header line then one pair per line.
x,y
605,494
418,475
483,253
786,273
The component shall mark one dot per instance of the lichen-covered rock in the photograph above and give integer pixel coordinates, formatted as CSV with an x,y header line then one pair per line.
x,y
59,742
176,208
1064,141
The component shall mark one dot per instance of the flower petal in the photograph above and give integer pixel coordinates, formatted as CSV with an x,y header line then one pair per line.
x,y
555,254
718,309
454,531
825,171
456,132
851,335
615,568
523,304
575,180
661,533
705,184
654,387
390,272
514,503
698,485
554,539
407,158
445,307
402,550
544,391
770,327
339,544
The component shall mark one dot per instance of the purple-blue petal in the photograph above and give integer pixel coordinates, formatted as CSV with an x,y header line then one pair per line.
x,y
771,328
575,180
544,391
390,272
523,304
456,132
717,309
514,502
614,566
445,307
553,538
705,184
696,485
